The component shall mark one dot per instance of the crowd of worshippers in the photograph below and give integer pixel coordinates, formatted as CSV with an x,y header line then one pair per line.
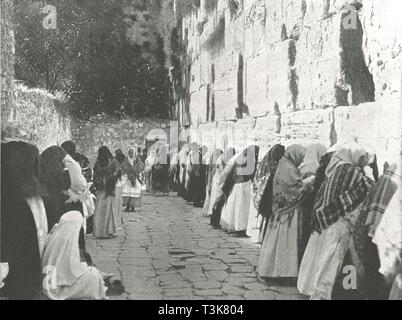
x,y
50,200
327,219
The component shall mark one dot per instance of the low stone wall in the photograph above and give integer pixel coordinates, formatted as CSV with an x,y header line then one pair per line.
x,y
41,115
7,59
113,133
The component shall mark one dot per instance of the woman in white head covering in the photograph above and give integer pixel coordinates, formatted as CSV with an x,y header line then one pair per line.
x,y
336,207
66,276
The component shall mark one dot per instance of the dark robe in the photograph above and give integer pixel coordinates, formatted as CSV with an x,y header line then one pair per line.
x,y
19,247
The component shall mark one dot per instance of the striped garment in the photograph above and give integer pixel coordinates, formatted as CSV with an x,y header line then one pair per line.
x,y
374,206
340,194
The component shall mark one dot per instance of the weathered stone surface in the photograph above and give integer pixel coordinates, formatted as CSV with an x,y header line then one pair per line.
x,y
377,125
382,45
124,134
330,65
7,60
307,126
41,115
298,55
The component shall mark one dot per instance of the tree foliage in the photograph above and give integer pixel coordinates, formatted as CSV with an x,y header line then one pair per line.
x,y
90,58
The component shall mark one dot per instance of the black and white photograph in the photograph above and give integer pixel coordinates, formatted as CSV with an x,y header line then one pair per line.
x,y
201,153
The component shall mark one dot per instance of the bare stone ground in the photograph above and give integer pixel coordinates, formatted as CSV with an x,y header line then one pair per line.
x,y
167,250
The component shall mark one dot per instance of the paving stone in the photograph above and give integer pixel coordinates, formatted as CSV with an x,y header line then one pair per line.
x,y
209,292
241,268
174,254
207,284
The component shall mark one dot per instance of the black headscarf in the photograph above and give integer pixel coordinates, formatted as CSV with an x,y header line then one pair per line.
x,y
56,182
106,171
21,169
20,176
69,147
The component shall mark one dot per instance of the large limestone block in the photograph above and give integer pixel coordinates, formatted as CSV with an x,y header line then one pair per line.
x,y
270,80
330,65
235,33
376,124
282,17
207,135
307,126
281,82
256,78
266,132
382,44
254,26
198,105
195,81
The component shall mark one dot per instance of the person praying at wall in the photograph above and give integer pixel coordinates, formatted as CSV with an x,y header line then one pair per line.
x,y
218,196
107,173
237,186
261,194
337,204
212,180
279,257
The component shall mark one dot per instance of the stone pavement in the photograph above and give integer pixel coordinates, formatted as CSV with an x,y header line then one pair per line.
x,y
167,250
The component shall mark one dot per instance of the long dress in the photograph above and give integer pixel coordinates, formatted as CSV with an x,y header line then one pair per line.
x,y
280,249
182,172
336,209
131,185
66,276
216,174
160,176
108,201
235,212
22,243
261,197
149,162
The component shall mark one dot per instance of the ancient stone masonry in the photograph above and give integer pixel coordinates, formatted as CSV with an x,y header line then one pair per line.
x,y
7,59
42,115
295,71
113,133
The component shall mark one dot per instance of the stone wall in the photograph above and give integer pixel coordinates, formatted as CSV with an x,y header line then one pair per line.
x,y
296,71
6,59
118,134
42,116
